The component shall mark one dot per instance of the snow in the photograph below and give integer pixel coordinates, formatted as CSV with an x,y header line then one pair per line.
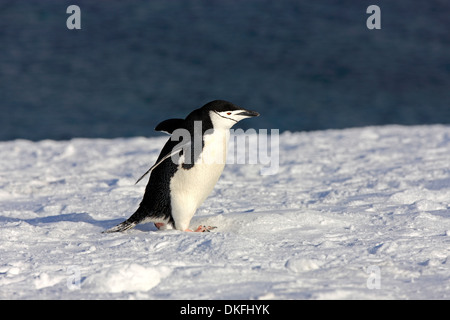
x,y
361,213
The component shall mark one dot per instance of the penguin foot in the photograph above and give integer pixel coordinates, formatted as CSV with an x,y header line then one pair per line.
x,y
202,229
159,225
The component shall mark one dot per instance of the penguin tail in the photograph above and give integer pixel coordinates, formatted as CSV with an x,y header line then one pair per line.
x,y
124,226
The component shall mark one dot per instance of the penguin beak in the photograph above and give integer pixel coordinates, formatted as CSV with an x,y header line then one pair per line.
x,y
248,113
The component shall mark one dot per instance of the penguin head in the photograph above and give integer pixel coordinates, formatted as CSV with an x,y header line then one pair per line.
x,y
224,114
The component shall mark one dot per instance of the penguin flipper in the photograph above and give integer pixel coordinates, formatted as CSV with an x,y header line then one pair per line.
x,y
126,225
170,125
174,151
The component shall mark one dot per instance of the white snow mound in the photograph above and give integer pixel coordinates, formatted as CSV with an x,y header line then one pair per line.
x,y
124,278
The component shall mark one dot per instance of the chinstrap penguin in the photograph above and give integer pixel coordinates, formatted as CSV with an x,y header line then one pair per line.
x,y
185,173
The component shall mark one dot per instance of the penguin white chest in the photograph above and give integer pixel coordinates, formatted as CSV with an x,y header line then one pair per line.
x,y
190,187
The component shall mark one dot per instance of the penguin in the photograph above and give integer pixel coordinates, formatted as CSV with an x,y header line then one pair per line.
x,y
186,172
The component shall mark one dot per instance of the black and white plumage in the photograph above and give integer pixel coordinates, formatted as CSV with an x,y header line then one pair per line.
x,y
176,188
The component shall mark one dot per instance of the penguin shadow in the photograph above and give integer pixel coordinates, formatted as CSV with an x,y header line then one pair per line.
x,y
82,217
146,227
68,217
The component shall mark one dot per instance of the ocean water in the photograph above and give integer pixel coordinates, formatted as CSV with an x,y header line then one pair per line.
x,y
304,65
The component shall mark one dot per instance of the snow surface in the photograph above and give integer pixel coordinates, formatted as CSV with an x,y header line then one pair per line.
x,y
359,213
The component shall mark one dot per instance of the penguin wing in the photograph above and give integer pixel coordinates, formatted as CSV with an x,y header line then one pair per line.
x,y
169,150
170,125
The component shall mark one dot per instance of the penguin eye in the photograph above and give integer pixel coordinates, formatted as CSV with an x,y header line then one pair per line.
x,y
228,113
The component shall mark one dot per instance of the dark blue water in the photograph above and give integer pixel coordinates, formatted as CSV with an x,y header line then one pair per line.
x,y
304,65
